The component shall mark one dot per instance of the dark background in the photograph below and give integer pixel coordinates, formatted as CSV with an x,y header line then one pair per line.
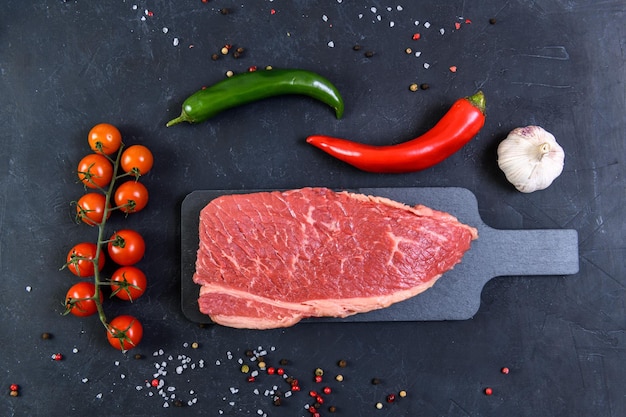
x,y
67,65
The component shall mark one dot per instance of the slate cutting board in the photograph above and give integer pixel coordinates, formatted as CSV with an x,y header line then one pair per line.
x,y
456,295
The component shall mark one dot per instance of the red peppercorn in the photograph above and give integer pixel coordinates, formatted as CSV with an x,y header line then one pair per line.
x,y
391,398
251,379
252,68
416,36
271,370
280,371
327,390
316,415
488,391
154,382
319,400
318,378
505,370
15,387
295,387
294,382
57,357
313,393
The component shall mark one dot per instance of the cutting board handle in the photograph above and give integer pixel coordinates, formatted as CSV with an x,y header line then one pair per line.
x,y
531,252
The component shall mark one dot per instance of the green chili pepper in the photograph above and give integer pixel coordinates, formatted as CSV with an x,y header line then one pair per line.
x,y
256,85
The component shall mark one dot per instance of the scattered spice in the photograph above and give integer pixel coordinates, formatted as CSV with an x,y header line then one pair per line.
x,y
369,54
283,361
424,86
379,405
14,393
342,363
492,21
332,409
319,372
215,57
391,398
225,10
375,381
416,36
138,356
229,73
488,391
57,357
356,47
505,370
453,68
413,87
339,378
46,336
14,387
402,394
408,51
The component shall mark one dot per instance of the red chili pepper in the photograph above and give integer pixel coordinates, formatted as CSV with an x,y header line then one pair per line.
x,y
457,127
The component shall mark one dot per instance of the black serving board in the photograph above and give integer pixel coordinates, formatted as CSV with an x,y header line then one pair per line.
x,y
456,295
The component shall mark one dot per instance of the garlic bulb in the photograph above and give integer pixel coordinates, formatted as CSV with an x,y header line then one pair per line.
x,y
530,158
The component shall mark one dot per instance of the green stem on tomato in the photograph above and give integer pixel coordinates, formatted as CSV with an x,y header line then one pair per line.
x,y
102,240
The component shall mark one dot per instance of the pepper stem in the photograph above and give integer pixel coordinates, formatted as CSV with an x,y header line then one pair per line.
x,y
478,101
182,118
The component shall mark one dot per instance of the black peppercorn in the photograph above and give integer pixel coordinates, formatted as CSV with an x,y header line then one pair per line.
x,y
284,362
46,336
332,409
342,363
375,381
138,356
424,86
224,10
178,403
492,21
356,48
369,54
249,353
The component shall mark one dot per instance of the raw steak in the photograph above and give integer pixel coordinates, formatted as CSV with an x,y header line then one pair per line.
x,y
270,259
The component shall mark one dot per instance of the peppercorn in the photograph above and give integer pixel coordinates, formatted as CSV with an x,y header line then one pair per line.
x,y
408,51
290,380
46,336
318,378
505,370
319,372
488,391
262,365
356,47
414,87
14,393
280,371
327,390
283,361
369,54
178,403
138,356
224,51
402,393
375,381
249,353
224,10
229,73
342,363
276,401
195,345
215,57
391,398
14,387
379,406
424,86
492,21
271,370
332,409
245,368
339,378
154,383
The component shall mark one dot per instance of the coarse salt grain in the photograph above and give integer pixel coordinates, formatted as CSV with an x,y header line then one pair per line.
x,y
442,31
426,25
426,65
85,380
391,24
29,288
175,42
325,18
331,44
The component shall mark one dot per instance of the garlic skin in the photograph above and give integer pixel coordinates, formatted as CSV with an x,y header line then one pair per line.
x,y
530,158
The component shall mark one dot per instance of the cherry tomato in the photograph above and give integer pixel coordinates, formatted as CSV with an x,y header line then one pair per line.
x,y
125,332
131,196
90,208
80,259
137,159
82,291
126,247
105,138
130,283
95,170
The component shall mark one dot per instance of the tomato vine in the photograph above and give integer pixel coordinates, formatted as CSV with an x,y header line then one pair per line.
x,y
111,162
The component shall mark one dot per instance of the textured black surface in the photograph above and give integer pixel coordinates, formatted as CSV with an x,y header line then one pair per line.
x,y
67,65
455,296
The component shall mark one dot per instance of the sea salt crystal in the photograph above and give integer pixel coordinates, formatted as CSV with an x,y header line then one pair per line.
x,y
418,53
85,380
391,24
99,395
29,288
325,18
175,42
426,65
373,9
331,44
179,370
442,31
426,25
399,8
